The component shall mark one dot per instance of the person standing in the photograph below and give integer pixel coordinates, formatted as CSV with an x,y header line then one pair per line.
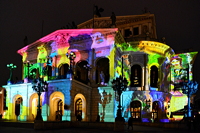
x,y
130,122
79,117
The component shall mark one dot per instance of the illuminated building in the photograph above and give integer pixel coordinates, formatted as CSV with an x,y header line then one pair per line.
x,y
2,100
84,85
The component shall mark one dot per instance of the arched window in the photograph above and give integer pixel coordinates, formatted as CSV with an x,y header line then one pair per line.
x,y
63,69
47,71
136,76
135,108
155,108
154,76
78,107
102,71
82,72
33,74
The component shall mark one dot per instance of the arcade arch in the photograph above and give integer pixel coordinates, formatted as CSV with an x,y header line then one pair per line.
x,y
80,106
56,102
33,102
62,70
82,72
17,107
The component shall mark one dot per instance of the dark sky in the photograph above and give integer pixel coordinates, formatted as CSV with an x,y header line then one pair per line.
x,y
176,20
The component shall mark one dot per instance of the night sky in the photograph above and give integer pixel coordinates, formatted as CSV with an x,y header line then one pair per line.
x,y
176,20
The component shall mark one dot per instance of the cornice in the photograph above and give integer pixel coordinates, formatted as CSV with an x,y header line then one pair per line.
x,y
120,20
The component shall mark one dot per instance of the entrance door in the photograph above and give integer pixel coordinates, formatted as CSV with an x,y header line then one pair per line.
x,y
78,107
18,106
135,108
59,111
155,108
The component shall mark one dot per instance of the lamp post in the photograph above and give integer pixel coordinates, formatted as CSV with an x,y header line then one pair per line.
x,y
119,85
71,56
39,85
189,88
11,67
105,99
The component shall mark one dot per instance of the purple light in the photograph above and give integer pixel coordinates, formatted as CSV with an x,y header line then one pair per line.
x,y
145,120
164,120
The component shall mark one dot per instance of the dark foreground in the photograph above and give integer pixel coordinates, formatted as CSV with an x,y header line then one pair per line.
x,y
136,129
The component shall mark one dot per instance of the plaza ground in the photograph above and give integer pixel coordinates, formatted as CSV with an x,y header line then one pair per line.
x,y
28,127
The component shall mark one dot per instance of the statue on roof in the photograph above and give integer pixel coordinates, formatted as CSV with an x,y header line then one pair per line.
x,y
97,11
113,18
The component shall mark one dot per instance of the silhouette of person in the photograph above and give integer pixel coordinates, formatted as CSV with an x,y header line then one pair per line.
x,y
130,122
79,117
102,76
98,118
113,18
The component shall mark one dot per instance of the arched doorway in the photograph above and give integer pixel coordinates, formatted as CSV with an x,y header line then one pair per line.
x,y
102,71
56,102
80,106
59,112
18,103
82,72
62,70
135,108
33,102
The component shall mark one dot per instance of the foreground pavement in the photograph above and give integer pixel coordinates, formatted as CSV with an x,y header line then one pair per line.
x,y
136,129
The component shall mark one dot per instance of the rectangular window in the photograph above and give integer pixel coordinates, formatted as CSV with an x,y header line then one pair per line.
x,y
127,32
136,31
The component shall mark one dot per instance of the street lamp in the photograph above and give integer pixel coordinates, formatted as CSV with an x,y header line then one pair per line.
x,y
11,67
189,88
105,99
39,85
71,56
119,85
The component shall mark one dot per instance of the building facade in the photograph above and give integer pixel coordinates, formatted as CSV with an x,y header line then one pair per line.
x,y
79,66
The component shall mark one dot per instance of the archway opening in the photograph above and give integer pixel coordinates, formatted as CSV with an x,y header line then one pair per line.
x,y
82,72
135,108
56,102
80,106
102,71
62,71
33,105
18,106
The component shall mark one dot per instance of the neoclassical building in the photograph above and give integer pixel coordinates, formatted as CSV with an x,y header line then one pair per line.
x,y
79,66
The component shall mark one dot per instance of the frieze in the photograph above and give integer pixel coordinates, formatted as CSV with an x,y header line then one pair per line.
x,y
136,59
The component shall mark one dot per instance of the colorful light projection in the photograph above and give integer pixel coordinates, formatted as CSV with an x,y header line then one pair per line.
x,y
61,42
181,67
177,102
56,45
157,53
